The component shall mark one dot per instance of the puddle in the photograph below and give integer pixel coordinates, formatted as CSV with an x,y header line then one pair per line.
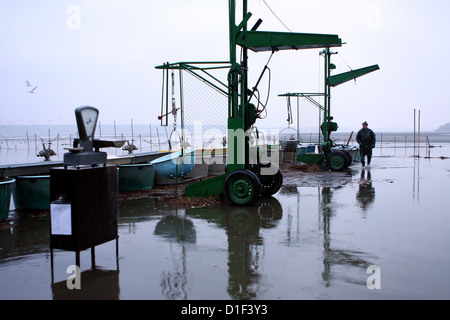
x,y
314,239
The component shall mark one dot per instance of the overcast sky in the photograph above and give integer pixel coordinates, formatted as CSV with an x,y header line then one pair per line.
x,y
103,53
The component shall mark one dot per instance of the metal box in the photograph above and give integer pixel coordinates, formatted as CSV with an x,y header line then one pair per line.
x,y
89,197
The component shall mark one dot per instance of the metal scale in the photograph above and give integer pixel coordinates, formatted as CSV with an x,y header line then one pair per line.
x,y
86,149
83,194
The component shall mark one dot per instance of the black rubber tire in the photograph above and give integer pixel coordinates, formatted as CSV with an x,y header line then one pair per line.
x,y
242,187
337,161
349,158
271,184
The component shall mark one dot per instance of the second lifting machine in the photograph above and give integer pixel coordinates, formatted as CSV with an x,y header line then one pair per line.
x,y
331,155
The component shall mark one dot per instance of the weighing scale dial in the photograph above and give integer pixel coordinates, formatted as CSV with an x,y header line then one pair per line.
x,y
89,117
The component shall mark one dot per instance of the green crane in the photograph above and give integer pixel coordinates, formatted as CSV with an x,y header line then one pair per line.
x,y
244,182
331,157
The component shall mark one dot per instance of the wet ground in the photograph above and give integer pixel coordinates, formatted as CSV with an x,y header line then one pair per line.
x,y
321,237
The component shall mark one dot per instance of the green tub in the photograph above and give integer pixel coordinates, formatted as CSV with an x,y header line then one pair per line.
x,y
32,193
311,158
5,197
133,177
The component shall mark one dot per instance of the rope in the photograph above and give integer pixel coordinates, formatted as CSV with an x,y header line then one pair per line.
x,y
276,16
340,55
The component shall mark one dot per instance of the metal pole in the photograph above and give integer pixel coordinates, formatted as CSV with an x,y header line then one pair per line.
x,y
132,131
418,138
325,112
150,127
183,143
236,118
414,148
298,120
159,141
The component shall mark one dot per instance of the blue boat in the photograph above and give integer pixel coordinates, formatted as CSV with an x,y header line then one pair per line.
x,y
166,166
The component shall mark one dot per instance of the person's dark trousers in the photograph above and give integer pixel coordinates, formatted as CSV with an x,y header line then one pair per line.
x,y
365,152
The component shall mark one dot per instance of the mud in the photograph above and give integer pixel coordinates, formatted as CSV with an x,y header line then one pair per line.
x,y
293,175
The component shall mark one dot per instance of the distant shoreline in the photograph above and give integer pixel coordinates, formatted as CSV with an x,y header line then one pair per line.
x,y
9,129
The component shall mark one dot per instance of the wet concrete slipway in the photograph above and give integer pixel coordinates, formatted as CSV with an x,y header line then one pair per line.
x,y
381,233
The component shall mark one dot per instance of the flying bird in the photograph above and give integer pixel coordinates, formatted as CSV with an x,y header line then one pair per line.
x,y
32,90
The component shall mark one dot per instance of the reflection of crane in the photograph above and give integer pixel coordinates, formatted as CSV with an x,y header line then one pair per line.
x,y
178,230
337,257
242,226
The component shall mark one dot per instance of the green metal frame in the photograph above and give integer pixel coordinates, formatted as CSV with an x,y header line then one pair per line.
x,y
259,41
241,113
329,81
338,79
200,70
308,97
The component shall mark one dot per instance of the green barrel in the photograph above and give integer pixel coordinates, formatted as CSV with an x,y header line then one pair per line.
x,y
5,196
302,150
311,148
32,193
133,177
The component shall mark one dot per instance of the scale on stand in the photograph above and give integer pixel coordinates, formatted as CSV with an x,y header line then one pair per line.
x,y
83,193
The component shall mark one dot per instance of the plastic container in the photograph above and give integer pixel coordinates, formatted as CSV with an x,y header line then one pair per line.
x,y
32,193
6,187
133,177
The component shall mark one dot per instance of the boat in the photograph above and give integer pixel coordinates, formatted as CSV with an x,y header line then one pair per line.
x,y
176,164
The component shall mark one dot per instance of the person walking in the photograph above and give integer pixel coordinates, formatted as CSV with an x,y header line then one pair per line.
x,y
366,139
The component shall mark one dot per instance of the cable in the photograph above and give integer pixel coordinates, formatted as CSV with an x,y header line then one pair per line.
x,y
276,16
340,55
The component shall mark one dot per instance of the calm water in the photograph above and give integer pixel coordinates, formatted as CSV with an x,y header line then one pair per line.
x,y
315,239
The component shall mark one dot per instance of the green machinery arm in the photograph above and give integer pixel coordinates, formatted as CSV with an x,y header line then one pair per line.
x,y
273,41
347,76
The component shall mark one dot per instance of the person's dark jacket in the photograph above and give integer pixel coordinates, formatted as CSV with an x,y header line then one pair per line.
x,y
366,138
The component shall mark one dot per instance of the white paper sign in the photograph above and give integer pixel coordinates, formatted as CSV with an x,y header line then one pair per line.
x,y
61,219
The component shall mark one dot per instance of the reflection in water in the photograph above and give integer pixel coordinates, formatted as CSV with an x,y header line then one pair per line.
x,y
96,285
179,230
292,190
28,235
366,192
246,246
176,228
242,226
338,257
416,177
